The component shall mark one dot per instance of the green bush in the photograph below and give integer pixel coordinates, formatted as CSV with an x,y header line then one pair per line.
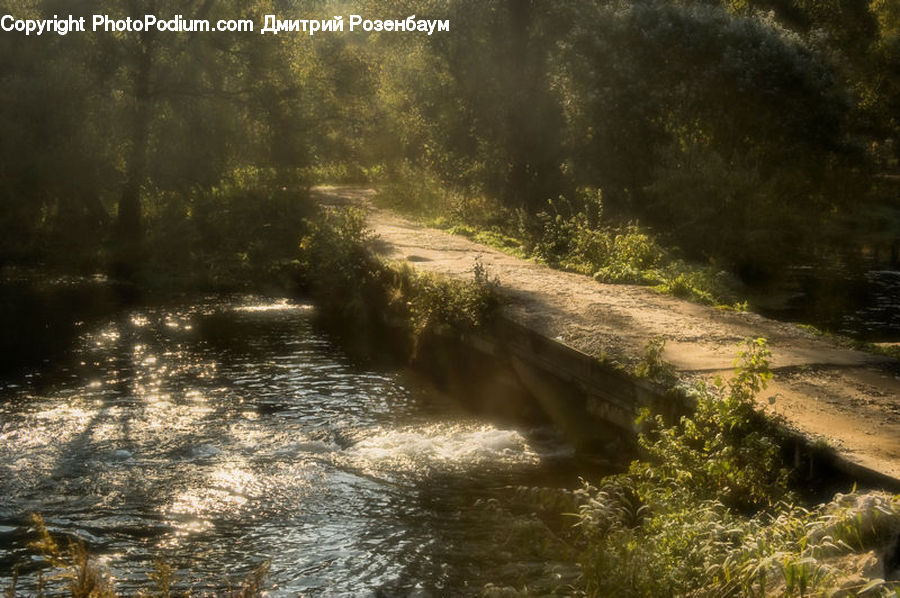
x,y
640,542
724,451
243,231
335,265
568,235
355,289
434,303
627,254
708,511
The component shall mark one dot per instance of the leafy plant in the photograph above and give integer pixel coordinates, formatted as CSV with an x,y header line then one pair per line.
x,y
74,573
652,365
355,289
724,450
708,512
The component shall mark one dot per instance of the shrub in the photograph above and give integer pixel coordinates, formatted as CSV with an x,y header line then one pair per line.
x,y
569,235
708,512
626,254
357,290
724,450
243,231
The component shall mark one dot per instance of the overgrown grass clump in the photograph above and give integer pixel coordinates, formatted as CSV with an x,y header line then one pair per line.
x,y
356,290
708,511
643,538
72,571
568,234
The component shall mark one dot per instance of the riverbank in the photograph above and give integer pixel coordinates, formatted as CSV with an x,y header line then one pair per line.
x,y
827,394
681,517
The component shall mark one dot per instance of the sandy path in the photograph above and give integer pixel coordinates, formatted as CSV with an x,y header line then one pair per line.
x,y
851,399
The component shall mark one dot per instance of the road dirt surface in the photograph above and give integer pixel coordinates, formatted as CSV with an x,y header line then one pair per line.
x,y
826,392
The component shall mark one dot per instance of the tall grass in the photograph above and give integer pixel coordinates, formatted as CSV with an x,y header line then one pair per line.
x,y
708,511
355,289
569,234
71,571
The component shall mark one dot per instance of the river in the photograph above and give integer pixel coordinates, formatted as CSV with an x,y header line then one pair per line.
x,y
220,433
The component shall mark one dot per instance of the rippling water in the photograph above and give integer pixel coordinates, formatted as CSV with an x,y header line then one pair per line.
x,y
220,434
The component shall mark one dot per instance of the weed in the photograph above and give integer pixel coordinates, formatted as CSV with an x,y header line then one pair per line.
x,y
243,231
74,573
569,235
74,570
354,289
707,512
652,365
891,350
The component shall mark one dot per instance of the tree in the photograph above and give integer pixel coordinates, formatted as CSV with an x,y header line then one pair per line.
x,y
726,131
146,114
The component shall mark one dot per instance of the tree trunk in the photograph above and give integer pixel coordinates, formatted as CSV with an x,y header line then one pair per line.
x,y
129,228
518,193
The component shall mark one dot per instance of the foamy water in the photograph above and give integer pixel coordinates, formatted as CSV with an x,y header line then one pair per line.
x,y
222,434
443,447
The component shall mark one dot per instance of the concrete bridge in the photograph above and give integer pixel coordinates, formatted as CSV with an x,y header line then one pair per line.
x,y
570,325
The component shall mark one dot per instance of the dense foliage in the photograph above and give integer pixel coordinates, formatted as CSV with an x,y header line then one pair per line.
x,y
152,150
744,133
754,134
369,297
707,511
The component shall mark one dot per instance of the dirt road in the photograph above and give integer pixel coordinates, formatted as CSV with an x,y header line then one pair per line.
x,y
849,399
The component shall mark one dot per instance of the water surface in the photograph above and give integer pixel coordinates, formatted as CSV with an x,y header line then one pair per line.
x,y
223,433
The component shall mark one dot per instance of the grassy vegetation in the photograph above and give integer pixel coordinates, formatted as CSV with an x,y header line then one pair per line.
x,y
708,511
888,350
242,232
891,350
657,540
355,289
341,173
492,237
569,235
73,572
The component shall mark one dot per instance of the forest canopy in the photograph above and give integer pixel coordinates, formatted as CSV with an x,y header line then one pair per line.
x,y
755,134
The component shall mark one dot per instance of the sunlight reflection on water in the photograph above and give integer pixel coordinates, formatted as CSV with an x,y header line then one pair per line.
x,y
220,434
